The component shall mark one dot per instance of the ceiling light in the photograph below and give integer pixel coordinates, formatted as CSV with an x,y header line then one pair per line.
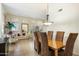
x,y
47,23
47,19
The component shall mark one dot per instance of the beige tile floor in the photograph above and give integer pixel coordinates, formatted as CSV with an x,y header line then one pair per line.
x,y
22,48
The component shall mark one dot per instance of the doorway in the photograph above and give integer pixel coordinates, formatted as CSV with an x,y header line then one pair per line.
x,y
24,27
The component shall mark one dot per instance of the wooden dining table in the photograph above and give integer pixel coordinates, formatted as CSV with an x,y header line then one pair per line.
x,y
55,45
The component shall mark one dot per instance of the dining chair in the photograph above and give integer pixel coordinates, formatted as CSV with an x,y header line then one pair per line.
x,y
36,43
39,36
60,35
45,49
50,35
69,45
44,44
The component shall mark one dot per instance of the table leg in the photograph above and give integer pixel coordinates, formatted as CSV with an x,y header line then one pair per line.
x,y
56,52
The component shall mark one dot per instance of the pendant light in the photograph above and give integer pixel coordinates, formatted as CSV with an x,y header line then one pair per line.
x,y
47,22
47,17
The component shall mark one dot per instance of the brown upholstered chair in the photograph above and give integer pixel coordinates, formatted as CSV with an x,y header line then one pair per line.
x,y
69,45
50,35
44,44
39,36
60,35
45,50
36,43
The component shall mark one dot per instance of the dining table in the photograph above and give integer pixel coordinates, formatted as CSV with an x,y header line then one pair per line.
x,y
55,45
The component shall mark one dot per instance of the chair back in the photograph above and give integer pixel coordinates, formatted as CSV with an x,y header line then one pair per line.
x,y
70,44
39,36
36,42
50,35
44,44
60,35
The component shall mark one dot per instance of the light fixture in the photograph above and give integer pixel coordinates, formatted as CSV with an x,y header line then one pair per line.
x,y
47,17
47,22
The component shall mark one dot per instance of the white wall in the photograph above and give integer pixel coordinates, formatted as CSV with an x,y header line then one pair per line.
x,y
67,20
1,23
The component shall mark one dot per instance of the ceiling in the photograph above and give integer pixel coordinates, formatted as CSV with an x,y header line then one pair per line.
x,y
33,10
69,13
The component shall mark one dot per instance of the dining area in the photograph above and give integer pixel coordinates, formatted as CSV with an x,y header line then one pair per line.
x,y
46,45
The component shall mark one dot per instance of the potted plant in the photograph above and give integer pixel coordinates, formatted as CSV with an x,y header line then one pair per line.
x,y
10,26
